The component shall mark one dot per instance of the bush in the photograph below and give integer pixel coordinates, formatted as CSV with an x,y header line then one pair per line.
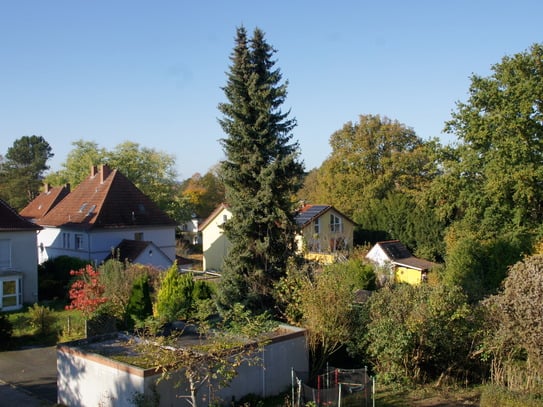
x,y
41,319
54,276
139,305
6,331
178,295
492,396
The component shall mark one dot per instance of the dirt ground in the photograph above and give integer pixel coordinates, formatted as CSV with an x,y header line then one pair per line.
x,y
428,397
461,399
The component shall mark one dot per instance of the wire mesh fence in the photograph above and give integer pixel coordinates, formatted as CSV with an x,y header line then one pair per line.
x,y
334,387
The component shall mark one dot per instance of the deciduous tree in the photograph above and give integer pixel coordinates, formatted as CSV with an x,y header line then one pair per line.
x,y
496,176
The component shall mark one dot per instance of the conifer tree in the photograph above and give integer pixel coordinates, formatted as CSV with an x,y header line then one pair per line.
x,y
261,174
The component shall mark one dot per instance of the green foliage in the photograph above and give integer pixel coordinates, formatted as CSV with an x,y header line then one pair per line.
x,y
241,321
118,279
178,295
54,276
76,167
493,176
41,319
371,159
322,302
357,273
492,396
416,334
139,305
514,328
261,174
22,171
479,266
153,172
6,331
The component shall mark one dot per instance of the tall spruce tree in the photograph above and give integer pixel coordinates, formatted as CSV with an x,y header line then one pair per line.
x,y
261,174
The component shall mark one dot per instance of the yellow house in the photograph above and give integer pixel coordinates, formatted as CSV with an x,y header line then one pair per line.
x,y
325,234
403,266
214,243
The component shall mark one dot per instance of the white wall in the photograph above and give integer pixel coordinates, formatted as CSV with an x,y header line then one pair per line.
x,y
87,379
24,258
98,243
214,243
92,381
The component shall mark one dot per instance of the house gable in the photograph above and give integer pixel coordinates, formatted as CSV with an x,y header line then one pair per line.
x,y
18,259
44,202
98,214
141,252
324,232
106,199
214,243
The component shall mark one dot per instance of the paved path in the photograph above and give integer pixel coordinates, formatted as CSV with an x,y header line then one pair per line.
x,y
28,377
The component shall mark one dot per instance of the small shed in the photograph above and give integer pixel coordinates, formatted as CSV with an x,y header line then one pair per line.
x,y
405,267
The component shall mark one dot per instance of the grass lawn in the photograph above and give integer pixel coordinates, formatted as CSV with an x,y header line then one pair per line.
x,y
45,326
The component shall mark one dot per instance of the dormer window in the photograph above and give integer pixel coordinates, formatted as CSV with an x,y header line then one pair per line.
x,y
91,210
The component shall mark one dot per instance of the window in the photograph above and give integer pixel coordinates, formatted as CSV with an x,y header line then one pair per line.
x,y
65,240
138,236
317,226
335,223
5,254
11,293
78,241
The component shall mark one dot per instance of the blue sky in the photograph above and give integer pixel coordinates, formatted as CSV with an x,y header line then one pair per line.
x,y
109,71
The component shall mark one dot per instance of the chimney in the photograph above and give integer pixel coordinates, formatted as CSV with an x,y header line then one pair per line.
x,y
94,170
47,188
104,172
67,186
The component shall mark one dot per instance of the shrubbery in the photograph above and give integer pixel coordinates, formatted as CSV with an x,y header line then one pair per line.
x,y
6,331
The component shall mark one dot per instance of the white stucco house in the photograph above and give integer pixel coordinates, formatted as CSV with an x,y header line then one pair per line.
x,y
18,259
102,212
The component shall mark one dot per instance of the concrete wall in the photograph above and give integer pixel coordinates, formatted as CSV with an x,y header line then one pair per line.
x,y
88,379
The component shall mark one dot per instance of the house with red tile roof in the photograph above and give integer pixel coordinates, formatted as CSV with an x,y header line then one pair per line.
x,y
106,209
44,202
18,259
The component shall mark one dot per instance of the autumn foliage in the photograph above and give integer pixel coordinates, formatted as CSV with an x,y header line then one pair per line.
x,y
86,292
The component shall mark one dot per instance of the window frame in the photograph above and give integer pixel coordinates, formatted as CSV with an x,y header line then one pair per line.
x,y
17,293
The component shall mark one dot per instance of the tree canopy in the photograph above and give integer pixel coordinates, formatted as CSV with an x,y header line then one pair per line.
x,y
497,168
21,172
152,171
261,173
